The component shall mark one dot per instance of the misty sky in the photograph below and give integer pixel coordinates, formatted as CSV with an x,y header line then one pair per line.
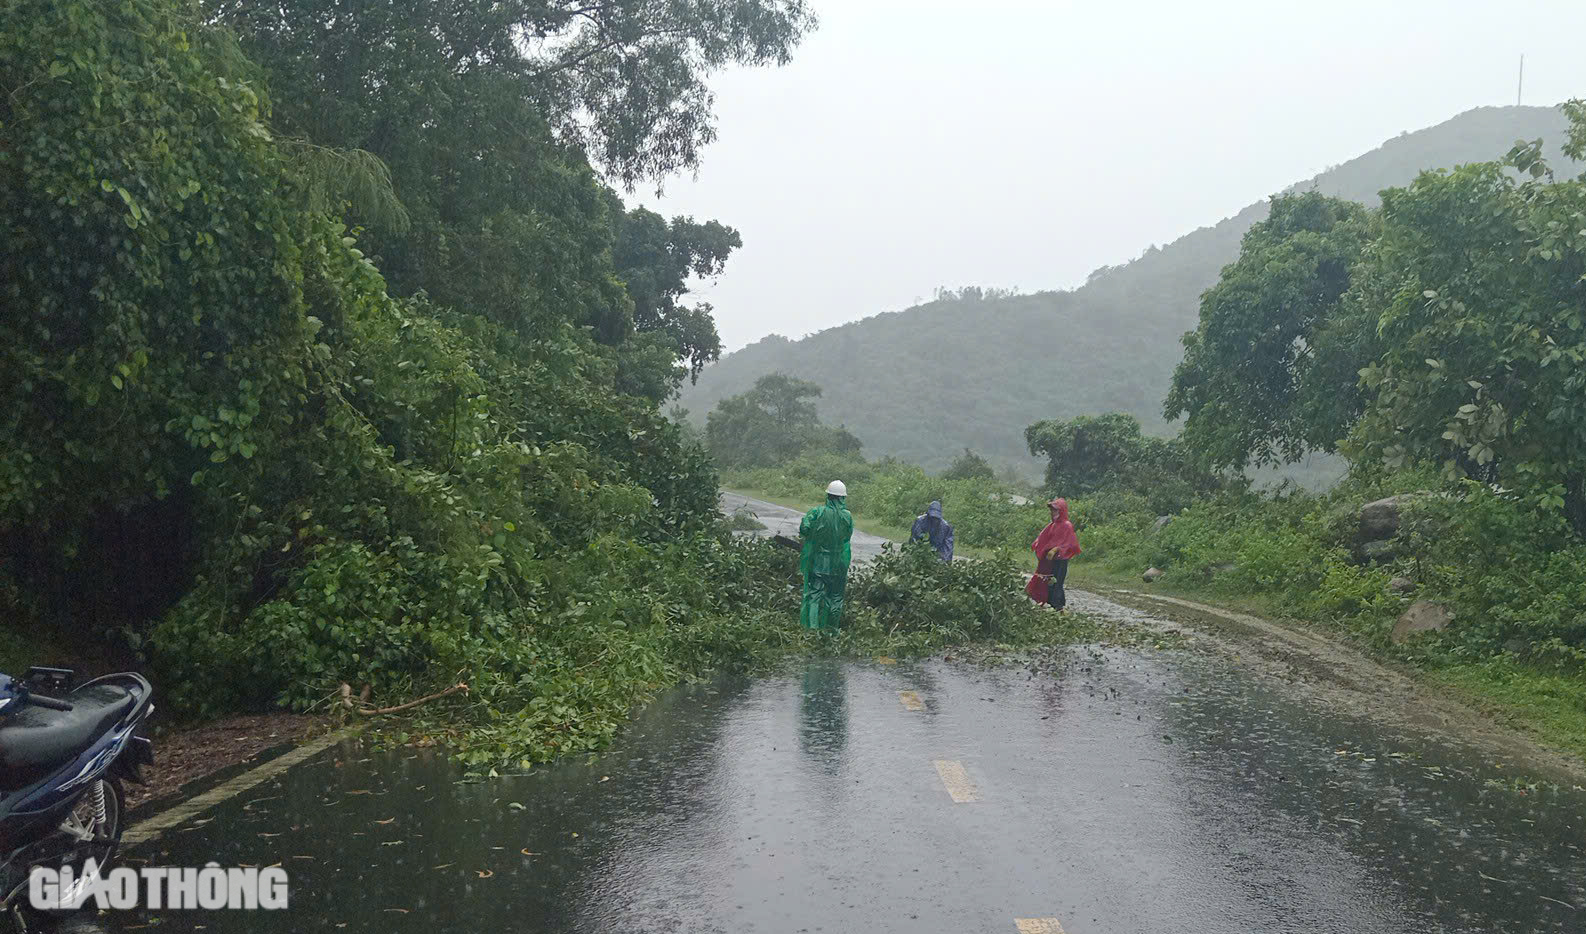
x,y
913,144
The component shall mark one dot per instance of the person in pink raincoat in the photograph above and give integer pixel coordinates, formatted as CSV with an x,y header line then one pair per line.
x,y
1054,548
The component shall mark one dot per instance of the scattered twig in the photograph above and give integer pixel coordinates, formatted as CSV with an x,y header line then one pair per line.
x,y
1555,901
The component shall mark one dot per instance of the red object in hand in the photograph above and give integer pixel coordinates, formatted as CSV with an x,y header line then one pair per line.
x,y
1036,588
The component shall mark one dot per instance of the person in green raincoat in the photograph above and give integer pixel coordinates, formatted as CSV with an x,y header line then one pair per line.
x,y
826,531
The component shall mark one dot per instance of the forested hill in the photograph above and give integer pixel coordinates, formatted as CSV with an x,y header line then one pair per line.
x,y
970,372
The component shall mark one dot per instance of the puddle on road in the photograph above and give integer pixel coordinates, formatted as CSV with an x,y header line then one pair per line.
x,y
1118,791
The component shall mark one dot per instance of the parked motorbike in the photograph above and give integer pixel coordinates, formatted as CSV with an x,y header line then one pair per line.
x,y
64,754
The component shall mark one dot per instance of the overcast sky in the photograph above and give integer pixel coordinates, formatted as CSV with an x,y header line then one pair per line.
x,y
913,144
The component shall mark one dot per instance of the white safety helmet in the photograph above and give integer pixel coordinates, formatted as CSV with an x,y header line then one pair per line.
x,y
836,489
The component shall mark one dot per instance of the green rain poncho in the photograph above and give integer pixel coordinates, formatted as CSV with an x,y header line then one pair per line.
x,y
826,531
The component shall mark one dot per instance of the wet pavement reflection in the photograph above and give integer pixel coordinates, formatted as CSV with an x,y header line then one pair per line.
x,y
1118,791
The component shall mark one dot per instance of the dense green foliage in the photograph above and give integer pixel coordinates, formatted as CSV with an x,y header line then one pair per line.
x,y
973,369
232,441
655,258
772,423
320,308
911,602
500,216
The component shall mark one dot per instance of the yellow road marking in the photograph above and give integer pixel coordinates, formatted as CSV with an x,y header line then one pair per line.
x,y
1038,926
154,827
957,781
911,700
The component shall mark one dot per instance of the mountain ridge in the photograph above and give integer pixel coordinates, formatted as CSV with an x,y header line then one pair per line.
x,y
924,382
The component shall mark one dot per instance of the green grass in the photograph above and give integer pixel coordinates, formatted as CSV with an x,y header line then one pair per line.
x,y
1097,577
1548,703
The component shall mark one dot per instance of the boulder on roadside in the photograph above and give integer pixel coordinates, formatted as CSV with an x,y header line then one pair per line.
x,y
1379,552
1381,519
1422,616
1151,575
1161,523
1401,585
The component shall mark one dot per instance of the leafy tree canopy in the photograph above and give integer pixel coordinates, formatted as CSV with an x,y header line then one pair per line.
x,y
477,118
1483,327
1266,377
655,259
1109,452
623,80
772,423
969,466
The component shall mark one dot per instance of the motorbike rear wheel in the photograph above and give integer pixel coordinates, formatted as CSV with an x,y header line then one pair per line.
x,y
93,828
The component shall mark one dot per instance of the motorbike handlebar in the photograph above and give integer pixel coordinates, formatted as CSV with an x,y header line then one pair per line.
x,y
49,703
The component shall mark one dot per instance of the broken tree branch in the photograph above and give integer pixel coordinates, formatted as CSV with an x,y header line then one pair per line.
x,y
459,686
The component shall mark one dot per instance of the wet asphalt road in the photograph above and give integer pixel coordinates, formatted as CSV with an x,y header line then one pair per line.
x,y
1106,789
1115,791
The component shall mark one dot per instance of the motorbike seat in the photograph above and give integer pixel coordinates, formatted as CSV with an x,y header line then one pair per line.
x,y
35,741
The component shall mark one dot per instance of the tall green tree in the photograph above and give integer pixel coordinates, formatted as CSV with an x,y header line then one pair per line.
x,y
1109,452
623,80
1483,326
655,259
484,113
1269,374
969,466
774,422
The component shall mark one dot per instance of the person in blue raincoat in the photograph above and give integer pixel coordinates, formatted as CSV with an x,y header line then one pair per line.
x,y
933,527
827,531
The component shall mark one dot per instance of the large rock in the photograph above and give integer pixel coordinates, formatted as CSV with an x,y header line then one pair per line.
x,y
1161,523
1422,616
1380,519
1401,585
1151,575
